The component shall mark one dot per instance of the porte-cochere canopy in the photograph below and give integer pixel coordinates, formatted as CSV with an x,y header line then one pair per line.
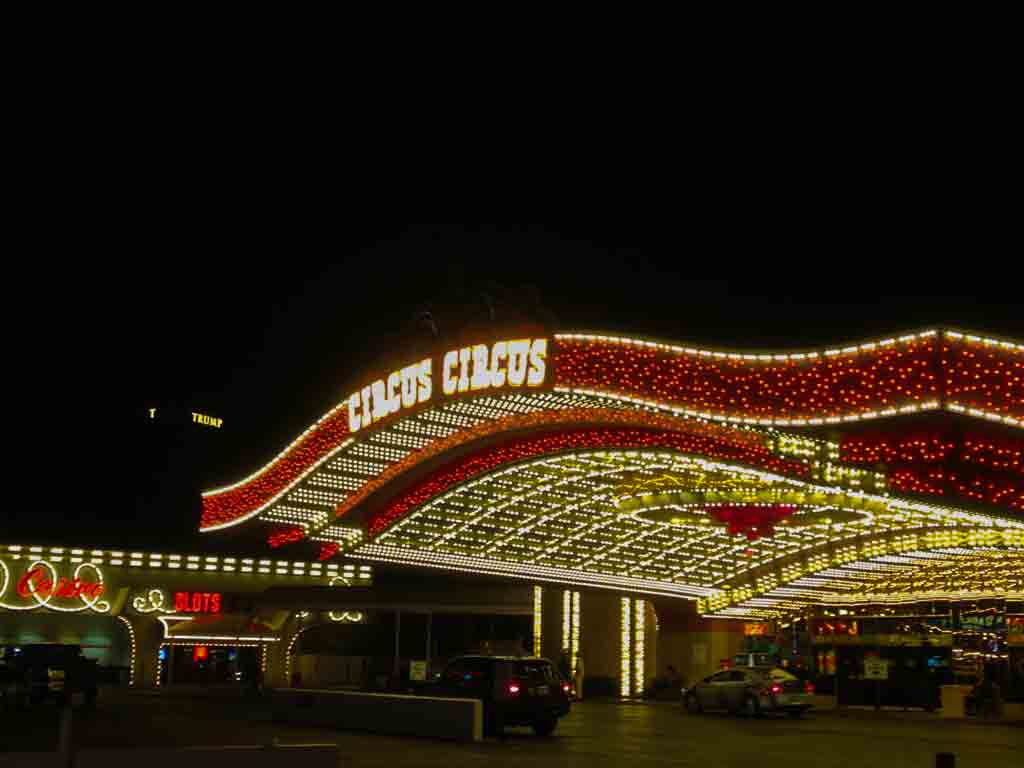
x,y
754,483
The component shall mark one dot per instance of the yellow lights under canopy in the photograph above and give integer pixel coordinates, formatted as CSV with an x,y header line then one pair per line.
x,y
562,519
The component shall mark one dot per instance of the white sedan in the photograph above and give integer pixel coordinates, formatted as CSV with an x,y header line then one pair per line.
x,y
751,690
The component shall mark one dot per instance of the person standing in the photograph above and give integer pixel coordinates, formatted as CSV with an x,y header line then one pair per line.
x,y
675,682
578,677
564,666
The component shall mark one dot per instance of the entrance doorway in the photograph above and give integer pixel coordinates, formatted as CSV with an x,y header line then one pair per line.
x,y
210,665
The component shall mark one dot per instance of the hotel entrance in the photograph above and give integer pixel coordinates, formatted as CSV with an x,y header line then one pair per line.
x,y
210,665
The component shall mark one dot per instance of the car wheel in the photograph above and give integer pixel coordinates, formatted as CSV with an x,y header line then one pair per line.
x,y
545,727
692,705
752,707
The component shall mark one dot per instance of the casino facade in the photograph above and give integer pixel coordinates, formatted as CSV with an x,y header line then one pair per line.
x,y
654,503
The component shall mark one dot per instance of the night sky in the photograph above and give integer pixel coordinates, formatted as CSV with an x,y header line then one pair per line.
x,y
264,322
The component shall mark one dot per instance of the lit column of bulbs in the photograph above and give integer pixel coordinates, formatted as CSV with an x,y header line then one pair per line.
x,y
567,622
575,647
639,637
134,650
538,620
625,647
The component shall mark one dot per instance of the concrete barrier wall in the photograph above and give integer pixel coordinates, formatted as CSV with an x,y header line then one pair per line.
x,y
823,702
30,760
293,756
1013,711
321,670
439,718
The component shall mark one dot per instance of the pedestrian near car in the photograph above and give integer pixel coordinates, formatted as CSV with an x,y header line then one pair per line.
x,y
673,677
578,677
564,665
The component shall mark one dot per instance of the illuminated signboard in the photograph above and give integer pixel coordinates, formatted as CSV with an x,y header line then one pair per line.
x,y
501,365
35,581
197,602
175,416
40,586
984,622
835,627
209,421
1015,630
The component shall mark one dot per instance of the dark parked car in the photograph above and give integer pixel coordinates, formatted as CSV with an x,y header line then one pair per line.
x,y
32,673
514,691
751,690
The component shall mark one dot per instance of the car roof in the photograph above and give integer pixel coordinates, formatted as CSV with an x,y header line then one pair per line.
x,y
481,657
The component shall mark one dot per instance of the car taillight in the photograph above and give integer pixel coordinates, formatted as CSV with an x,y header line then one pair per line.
x,y
513,688
566,688
808,687
776,688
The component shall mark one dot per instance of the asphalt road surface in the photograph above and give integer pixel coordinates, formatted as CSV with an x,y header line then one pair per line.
x,y
595,734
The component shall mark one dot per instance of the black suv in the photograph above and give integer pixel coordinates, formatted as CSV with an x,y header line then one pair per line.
x,y
514,690
32,673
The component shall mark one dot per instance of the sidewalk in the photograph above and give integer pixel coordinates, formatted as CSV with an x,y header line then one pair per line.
x,y
857,712
910,715
193,692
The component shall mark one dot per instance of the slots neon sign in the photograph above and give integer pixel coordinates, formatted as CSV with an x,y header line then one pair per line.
x,y
197,602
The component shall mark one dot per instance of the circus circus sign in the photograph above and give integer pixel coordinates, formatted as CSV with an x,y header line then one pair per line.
x,y
501,365
41,585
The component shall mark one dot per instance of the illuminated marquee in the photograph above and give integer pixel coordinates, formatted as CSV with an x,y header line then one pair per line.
x,y
453,396
202,418
197,602
40,587
829,627
35,581
503,364
1015,630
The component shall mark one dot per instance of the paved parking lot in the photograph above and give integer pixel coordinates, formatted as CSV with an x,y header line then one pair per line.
x,y
597,733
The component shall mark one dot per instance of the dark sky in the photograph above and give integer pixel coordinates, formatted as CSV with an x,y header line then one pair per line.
x,y
261,320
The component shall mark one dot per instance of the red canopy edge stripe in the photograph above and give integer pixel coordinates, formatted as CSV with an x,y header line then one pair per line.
x,y
223,507
968,380
575,366
934,368
584,438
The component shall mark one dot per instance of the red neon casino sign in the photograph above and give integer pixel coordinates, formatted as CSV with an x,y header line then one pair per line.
x,y
35,581
197,602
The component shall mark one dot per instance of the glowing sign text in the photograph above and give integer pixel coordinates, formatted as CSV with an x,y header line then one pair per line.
x,y
40,587
469,369
210,421
36,582
197,602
